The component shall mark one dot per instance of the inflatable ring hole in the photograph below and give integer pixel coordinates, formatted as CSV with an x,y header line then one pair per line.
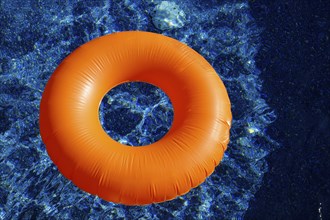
x,y
136,113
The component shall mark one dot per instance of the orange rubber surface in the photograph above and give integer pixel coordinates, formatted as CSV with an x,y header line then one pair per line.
x,y
83,151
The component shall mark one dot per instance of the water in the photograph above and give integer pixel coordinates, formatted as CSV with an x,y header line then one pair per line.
x,y
136,113
36,36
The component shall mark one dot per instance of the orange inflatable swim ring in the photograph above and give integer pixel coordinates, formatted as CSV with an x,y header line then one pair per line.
x,y
83,151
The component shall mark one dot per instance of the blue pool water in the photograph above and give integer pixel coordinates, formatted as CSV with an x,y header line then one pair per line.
x,y
136,113
37,35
